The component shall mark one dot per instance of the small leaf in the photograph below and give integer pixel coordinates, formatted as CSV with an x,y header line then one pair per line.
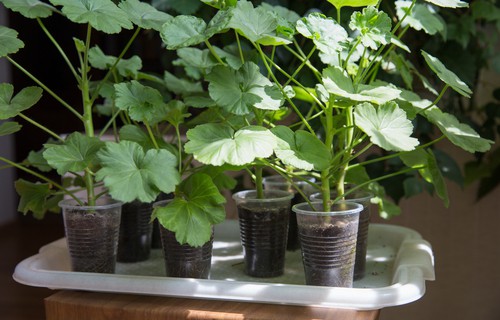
x,y
132,174
37,198
353,3
144,15
183,31
437,179
196,207
387,126
217,144
374,27
134,133
143,103
446,75
30,8
219,177
24,99
9,127
102,15
125,67
36,159
177,113
9,43
75,154
449,3
417,159
420,18
181,86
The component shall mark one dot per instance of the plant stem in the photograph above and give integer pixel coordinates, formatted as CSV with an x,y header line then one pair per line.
x,y
38,125
325,174
258,182
212,51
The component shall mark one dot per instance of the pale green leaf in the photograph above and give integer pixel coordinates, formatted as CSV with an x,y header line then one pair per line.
x,y
76,153
446,75
38,198
217,144
125,67
374,27
142,103
353,3
183,31
9,127
29,8
449,3
238,91
460,134
11,106
420,18
132,174
144,15
9,43
387,126
196,207
301,149
102,15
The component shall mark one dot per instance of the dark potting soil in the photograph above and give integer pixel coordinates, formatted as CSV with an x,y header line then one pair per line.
x,y
92,241
336,270
264,237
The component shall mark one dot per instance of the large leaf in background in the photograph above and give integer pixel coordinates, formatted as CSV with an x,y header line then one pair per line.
x,y
76,153
374,27
460,134
217,144
132,174
220,4
301,149
29,8
9,127
353,3
125,67
258,25
134,133
37,198
12,106
420,18
144,15
446,75
387,126
142,103
181,86
196,207
238,91
9,43
102,15
449,3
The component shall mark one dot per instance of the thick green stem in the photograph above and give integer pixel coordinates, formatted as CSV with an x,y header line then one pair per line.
x,y
258,182
325,174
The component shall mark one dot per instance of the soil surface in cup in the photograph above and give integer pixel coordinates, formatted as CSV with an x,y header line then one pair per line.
x,y
328,253
264,237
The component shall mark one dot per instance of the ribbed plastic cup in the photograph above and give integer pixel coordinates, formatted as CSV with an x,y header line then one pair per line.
x,y
328,241
277,182
134,242
92,234
263,230
362,197
183,260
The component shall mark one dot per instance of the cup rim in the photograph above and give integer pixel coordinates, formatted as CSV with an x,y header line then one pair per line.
x,y
277,180
251,196
304,208
365,196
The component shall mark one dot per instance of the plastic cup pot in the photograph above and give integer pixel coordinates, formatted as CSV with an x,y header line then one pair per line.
x,y
134,242
183,260
263,230
362,197
328,241
92,234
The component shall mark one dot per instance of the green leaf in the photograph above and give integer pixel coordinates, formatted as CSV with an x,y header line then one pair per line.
x,y
29,8
76,153
301,149
449,3
417,159
144,15
9,127
217,144
446,75
36,159
37,198
9,43
386,209
461,135
181,86
125,67
219,177
238,91
256,24
102,15
387,126
24,99
143,103
177,113
420,18
134,133
220,4
132,174
353,3
374,27
437,179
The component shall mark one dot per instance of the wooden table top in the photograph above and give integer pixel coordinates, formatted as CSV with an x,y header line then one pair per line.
x,y
81,305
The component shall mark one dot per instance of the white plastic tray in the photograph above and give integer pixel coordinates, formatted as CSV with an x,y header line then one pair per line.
x,y
399,262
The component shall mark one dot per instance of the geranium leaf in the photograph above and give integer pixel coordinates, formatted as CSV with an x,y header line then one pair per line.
x,y
9,43
76,153
181,86
417,159
134,133
437,178
102,15
183,31
143,103
11,106
219,177
238,91
144,15
446,75
217,144
374,27
353,3
196,207
9,127
387,126
420,18
37,198
29,8
125,67
301,149
460,134
132,174
449,3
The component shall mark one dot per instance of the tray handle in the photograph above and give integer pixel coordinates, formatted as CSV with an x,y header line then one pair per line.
x,y
415,253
